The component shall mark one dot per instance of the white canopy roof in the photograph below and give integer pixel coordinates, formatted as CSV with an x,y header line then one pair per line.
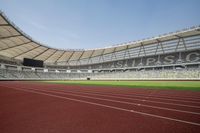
x,y
16,44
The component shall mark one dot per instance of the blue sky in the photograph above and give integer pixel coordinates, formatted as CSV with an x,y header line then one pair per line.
x,y
78,24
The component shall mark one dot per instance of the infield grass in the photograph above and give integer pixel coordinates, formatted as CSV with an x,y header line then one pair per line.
x,y
178,85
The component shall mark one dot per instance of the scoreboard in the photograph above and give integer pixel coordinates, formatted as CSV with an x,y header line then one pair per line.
x,y
32,62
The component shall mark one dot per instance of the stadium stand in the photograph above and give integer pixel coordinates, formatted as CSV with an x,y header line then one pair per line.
x,y
178,72
170,56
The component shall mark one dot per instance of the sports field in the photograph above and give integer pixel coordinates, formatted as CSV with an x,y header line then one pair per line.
x,y
178,85
99,107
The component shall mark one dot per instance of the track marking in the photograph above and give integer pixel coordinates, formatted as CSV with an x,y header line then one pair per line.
x,y
152,95
121,97
148,97
107,106
117,101
112,107
143,100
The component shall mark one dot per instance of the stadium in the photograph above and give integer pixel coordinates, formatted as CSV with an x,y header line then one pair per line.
x,y
174,56
153,81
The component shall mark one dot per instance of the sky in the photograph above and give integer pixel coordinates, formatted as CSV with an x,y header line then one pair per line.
x,y
88,24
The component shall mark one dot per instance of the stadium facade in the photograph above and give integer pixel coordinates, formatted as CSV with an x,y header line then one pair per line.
x,y
174,55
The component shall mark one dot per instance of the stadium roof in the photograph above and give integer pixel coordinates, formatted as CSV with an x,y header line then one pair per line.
x,y
15,44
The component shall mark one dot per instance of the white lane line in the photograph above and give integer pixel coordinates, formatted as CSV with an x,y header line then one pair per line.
x,y
119,96
147,97
168,99
153,95
174,97
107,106
143,100
117,101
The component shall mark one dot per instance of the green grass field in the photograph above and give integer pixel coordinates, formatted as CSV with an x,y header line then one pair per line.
x,y
178,85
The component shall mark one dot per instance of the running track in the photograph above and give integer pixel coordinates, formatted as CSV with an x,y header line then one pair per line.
x,y
29,107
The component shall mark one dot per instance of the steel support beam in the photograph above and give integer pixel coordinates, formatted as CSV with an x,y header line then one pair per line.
x,y
89,59
78,60
60,56
101,55
16,45
8,37
81,55
26,51
70,56
113,52
141,47
40,53
50,55
159,43
4,25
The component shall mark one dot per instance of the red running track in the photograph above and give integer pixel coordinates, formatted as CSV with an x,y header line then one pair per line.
x,y
30,107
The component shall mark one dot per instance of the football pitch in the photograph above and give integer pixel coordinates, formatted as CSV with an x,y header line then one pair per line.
x,y
178,85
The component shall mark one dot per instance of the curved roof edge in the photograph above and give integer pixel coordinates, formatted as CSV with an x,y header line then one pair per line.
x,y
16,44
112,46
28,36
